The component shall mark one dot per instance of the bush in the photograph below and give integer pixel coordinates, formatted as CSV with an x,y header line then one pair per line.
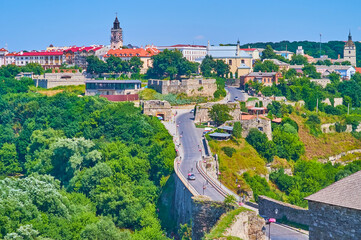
x,y
228,151
313,119
340,127
237,130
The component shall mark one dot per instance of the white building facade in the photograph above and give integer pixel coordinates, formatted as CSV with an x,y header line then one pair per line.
x,y
190,52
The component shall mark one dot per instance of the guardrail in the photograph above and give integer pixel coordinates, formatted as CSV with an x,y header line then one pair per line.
x,y
191,189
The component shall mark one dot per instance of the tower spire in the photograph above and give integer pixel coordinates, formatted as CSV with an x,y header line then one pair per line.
x,y
349,35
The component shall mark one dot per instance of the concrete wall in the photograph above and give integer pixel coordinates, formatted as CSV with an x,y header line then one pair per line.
x,y
333,222
191,87
268,206
51,80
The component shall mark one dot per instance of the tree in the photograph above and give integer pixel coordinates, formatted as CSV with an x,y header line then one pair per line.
x,y
346,63
230,200
310,71
171,64
237,130
219,113
298,60
266,66
95,65
268,53
221,68
207,66
9,163
135,64
260,142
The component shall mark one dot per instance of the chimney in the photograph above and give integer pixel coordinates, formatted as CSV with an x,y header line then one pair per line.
x,y
338,56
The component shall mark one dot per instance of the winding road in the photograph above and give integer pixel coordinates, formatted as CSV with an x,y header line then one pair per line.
x,y
191,145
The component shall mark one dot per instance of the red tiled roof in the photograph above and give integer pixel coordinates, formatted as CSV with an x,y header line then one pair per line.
x,y
250,117
80,49
121,98
277,120
3,50
187,45
57,53
11,54
138,52
358,69
248,49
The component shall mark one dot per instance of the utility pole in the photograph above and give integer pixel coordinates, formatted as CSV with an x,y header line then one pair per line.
x,y
348,109
317,106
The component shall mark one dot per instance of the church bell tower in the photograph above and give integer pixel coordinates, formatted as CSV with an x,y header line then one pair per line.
x,y
116,39
349,51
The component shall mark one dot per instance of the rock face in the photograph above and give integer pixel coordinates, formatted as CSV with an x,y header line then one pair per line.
x,y
247,226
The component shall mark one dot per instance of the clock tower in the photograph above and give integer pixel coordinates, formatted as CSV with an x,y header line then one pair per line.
x,y
116,39
349,51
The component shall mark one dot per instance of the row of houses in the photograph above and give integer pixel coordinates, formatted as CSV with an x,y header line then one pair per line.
x,y
54,57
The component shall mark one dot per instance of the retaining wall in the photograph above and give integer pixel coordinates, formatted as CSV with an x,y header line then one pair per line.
x,y
268,207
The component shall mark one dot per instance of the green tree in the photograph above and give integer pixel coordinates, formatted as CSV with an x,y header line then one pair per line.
x,y
268,53
237,130
207,66
9,163
260,142
310,71
221,68
219,113
266,66
298,60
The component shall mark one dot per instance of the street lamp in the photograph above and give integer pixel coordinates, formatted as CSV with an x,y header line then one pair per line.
x,y
270,220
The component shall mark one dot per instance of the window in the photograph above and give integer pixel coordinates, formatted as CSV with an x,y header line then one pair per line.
x,y
349,52
230,62
242,61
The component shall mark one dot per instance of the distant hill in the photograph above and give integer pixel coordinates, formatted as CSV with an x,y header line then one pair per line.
x,y
331,48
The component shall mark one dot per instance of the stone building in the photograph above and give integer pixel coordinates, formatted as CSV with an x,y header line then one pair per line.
x,y
349,51
336,210
157,108
202,110
192,87
260,123
116,39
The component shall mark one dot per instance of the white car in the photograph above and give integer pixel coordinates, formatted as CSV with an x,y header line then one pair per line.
x,y
191,176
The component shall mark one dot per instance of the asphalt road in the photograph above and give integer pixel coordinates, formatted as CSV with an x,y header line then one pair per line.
x,y
235,92
279,232
191,141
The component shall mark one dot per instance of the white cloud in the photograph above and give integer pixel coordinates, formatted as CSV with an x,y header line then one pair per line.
x,y
199,37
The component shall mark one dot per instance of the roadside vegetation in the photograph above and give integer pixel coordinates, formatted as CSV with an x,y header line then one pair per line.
x,y
78,167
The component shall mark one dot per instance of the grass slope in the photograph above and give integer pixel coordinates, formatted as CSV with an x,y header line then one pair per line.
x,y
245,158
225,222
324,145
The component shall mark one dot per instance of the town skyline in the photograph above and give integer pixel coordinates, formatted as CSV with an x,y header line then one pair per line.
x,y
69,26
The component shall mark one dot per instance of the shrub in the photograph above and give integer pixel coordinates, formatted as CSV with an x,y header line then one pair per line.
x,y
237,130
228,151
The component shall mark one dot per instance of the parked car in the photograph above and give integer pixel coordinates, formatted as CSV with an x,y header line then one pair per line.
x,y
192,111
191,176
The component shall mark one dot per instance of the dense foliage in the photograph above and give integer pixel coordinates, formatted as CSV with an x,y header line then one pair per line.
x,y
171,64
220,113
81,158
212,68
113,65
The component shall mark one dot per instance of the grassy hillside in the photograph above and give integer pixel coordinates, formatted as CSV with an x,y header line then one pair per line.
x,y
243,159
324,145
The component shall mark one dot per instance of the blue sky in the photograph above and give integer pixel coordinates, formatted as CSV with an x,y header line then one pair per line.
x,y
35,24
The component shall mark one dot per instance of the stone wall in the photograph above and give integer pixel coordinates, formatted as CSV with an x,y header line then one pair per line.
x,y
265,101
157,108
337,101
234,82
205,214
191,87
333,222
263,125
201,113
330,128
268,206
